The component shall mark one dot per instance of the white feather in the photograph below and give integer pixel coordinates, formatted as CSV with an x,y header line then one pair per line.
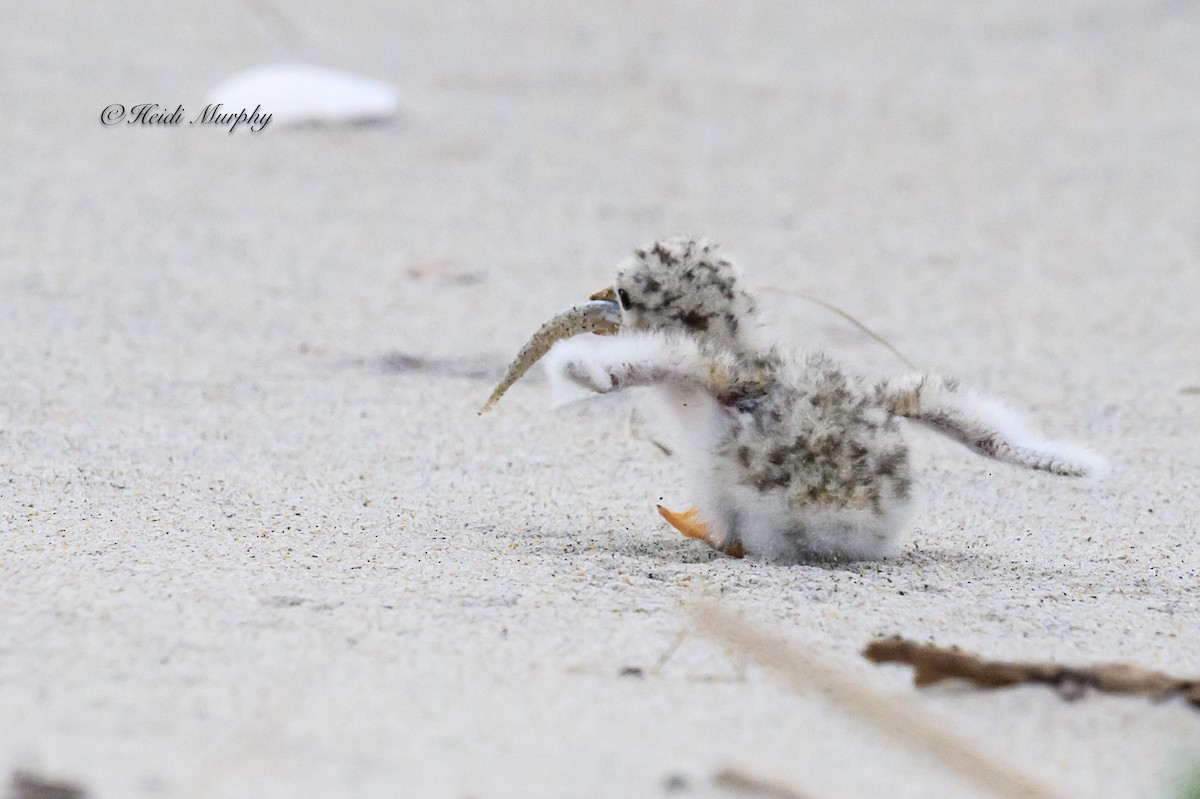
x,y
299,93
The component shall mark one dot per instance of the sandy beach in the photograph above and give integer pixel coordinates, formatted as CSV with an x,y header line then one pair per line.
x,y
255,540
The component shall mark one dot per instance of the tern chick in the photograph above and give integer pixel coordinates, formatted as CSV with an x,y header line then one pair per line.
x,y
787,458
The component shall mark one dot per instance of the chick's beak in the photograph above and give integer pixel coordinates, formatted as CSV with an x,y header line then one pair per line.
x,y
608,295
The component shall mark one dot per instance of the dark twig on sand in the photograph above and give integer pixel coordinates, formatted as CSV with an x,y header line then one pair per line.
x,y
733,779
933,664
26,785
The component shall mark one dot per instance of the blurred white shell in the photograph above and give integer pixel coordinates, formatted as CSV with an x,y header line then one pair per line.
x,y
298,93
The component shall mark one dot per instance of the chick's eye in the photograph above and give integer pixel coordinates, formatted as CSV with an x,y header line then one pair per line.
x,y
623,296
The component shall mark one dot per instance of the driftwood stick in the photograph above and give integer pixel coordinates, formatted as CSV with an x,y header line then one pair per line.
x,y
932,664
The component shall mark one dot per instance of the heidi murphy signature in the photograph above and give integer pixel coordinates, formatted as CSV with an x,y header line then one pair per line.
x,y
213,114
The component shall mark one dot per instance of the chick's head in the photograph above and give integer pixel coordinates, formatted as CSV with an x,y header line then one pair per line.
x,y
684,285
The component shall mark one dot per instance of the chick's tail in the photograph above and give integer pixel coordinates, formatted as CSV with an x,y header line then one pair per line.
x,y
984,425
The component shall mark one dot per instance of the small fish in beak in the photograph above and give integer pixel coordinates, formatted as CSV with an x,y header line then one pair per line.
x,y
601,316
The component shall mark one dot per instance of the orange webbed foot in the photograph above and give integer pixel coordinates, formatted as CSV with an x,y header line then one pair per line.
x,y
690,525
687,522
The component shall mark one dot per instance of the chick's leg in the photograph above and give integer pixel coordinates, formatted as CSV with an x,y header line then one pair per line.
x,y
690,525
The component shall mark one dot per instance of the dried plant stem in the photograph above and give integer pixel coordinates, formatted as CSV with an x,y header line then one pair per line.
x,y
815,300
899,718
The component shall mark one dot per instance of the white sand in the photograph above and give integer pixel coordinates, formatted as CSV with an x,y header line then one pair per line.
x,y
247,551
